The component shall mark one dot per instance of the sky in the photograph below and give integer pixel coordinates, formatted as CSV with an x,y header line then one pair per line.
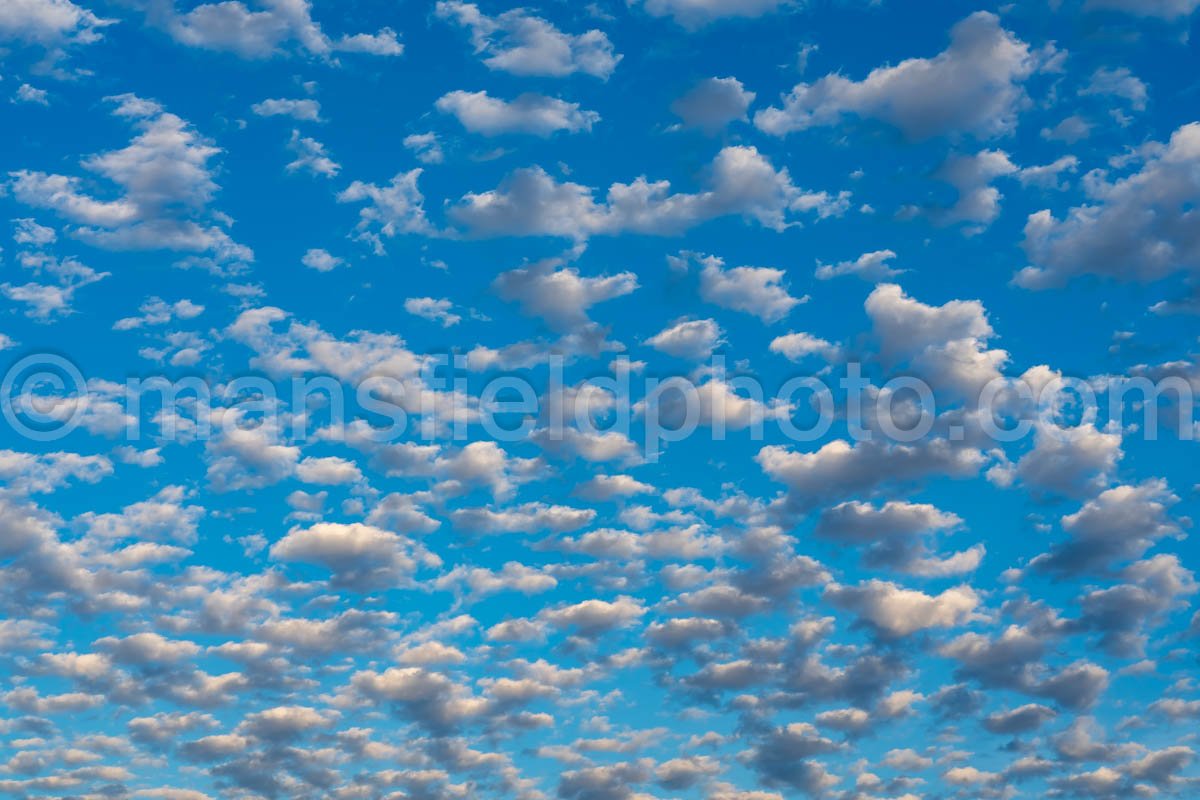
x,y
630,400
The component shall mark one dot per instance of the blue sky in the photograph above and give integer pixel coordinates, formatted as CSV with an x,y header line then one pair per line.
x,y
267,596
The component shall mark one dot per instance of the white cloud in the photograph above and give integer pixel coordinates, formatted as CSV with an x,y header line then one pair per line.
x,y
756,290
530,113
871,266
740,182
973,86
49,22
691,339
433,309
304,110
233,28
560,296
397,208
1139,227
895,611
798,346
166,185
28,94
321,260
425,147
359,556
522,44
1119,82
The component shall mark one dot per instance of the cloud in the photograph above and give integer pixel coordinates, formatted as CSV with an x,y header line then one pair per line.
x,y
974,86
691,339
873,267
393,209
895,611
321,260
522,44
426,147
560,296
311,156
360,557
432,309
1141,227
798,346
166,185
1119,82
740,182
50,23
755,290
1120,523
280,26
529,113
304,110
712,104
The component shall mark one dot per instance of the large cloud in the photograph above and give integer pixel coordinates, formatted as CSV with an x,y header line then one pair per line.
x,y
974,86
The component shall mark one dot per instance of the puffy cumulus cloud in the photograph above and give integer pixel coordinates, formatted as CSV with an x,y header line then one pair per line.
x,y
1120,523
433,309
155,311
279,26
51,23
305,109
429,699
524,518
359,556
1075,461
1025,719
693,14
43,473
560,295
895,612
946,345
712,104
165,182
607,487
147,648
164,517
740,182
691,339
321,260
1140,227
520,43
798,346
895,535
529,113
971,176
839,469
873,267
755,290
513,577
282,723
593,617
783,757
974,86
1121,613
